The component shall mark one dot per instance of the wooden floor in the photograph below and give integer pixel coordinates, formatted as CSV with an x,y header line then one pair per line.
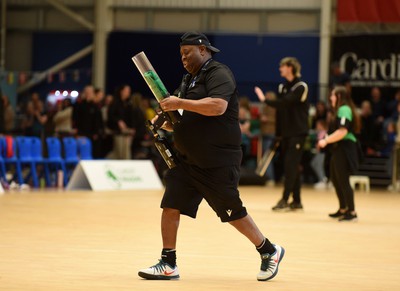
x,y
98,241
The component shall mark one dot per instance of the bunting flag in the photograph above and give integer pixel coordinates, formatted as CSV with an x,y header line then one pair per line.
x,y
22,78
10,78
88,72
50,78
73,75
61,76
76,75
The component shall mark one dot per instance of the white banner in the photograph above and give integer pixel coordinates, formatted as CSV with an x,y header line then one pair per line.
x,y
102,175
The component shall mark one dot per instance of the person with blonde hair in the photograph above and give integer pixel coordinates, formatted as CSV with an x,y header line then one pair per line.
x,y
292,128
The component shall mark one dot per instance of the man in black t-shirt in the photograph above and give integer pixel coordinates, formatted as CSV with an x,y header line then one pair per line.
x,y
207,140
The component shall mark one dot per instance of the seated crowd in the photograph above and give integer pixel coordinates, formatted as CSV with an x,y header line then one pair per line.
x,y
111,122
379,120
115,125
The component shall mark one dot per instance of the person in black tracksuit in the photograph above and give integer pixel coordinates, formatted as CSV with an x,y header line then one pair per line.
x,y
292,127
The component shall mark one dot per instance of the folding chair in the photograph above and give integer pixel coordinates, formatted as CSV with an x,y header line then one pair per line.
x,y
9,154
85,148
71,157
55,161
24,145
3,171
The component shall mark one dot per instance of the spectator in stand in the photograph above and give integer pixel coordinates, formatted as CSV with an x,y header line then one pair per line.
x,y
378,105
138,151
26,116
398,126
120,121
244,123
392,115
321,111
244,102
51,110
80,107
2,130
370,133
88,120
268,127
391,108
99,96
389,139
107,139
318,161
148,110
339,77
105,105
63,118
9,116
35,117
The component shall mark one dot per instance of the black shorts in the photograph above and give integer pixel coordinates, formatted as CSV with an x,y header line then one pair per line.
x,y
187,185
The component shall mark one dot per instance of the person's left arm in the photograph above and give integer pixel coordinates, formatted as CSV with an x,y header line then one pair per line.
x,y
336,136
208,106
291,98
344,123
220,85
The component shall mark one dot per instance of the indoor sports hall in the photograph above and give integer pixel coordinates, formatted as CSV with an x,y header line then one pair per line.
x,y
81,183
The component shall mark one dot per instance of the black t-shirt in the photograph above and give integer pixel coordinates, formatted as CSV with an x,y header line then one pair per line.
x,y
210,141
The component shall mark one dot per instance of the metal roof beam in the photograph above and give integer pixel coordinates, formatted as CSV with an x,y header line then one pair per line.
x,y
57,67
70,13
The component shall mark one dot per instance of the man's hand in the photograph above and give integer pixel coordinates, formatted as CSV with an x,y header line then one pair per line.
x,y
171,103
122,125
322,143
166,125
259,93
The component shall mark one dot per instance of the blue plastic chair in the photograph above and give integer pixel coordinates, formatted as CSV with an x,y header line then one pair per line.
x,y
54,159
37,157
3,171
24,145
12,159
71,157
85,148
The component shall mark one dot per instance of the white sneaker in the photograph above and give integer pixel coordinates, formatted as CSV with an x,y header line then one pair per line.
x,y
270,264
160,271
321,185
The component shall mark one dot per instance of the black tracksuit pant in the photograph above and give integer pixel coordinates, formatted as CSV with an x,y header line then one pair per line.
x,y
292,150
340,171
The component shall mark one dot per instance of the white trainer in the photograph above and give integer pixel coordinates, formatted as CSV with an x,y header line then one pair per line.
x,y
321,185
270,264
160,271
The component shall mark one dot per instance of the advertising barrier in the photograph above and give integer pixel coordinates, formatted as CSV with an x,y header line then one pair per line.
x,y
103,175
